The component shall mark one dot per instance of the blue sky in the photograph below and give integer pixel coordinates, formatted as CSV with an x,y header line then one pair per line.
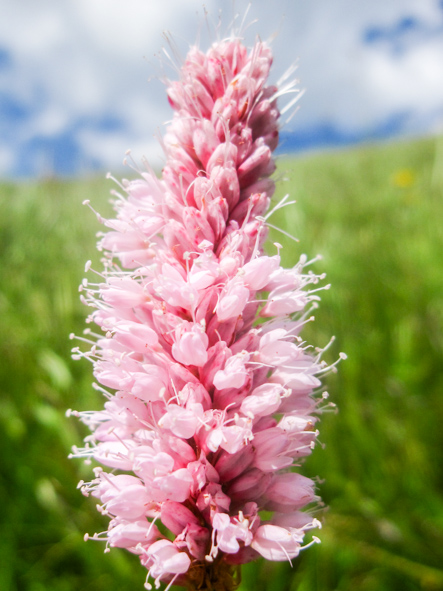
x,y
79,79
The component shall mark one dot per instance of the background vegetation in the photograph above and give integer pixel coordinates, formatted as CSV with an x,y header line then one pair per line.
x,y
376,215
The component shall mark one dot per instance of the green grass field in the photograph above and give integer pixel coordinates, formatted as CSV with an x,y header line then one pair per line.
x,y
375,214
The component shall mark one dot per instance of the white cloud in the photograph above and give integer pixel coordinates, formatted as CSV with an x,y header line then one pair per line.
x,y
6,158
349,82
414,80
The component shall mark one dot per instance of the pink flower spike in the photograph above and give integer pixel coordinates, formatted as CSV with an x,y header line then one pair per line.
x,y
211,396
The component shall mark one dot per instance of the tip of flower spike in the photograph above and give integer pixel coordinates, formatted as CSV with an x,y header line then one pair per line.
x,y
86,202
343,356
86,537
87,266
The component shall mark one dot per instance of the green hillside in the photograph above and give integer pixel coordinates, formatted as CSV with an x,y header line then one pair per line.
x,y
375,214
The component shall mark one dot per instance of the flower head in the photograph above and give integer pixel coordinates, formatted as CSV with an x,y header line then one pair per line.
x,y
207,408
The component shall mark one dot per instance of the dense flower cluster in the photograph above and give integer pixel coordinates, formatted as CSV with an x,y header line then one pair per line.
x,y
208,384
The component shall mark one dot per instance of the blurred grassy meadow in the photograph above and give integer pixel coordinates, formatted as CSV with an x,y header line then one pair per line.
x,y
375,214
